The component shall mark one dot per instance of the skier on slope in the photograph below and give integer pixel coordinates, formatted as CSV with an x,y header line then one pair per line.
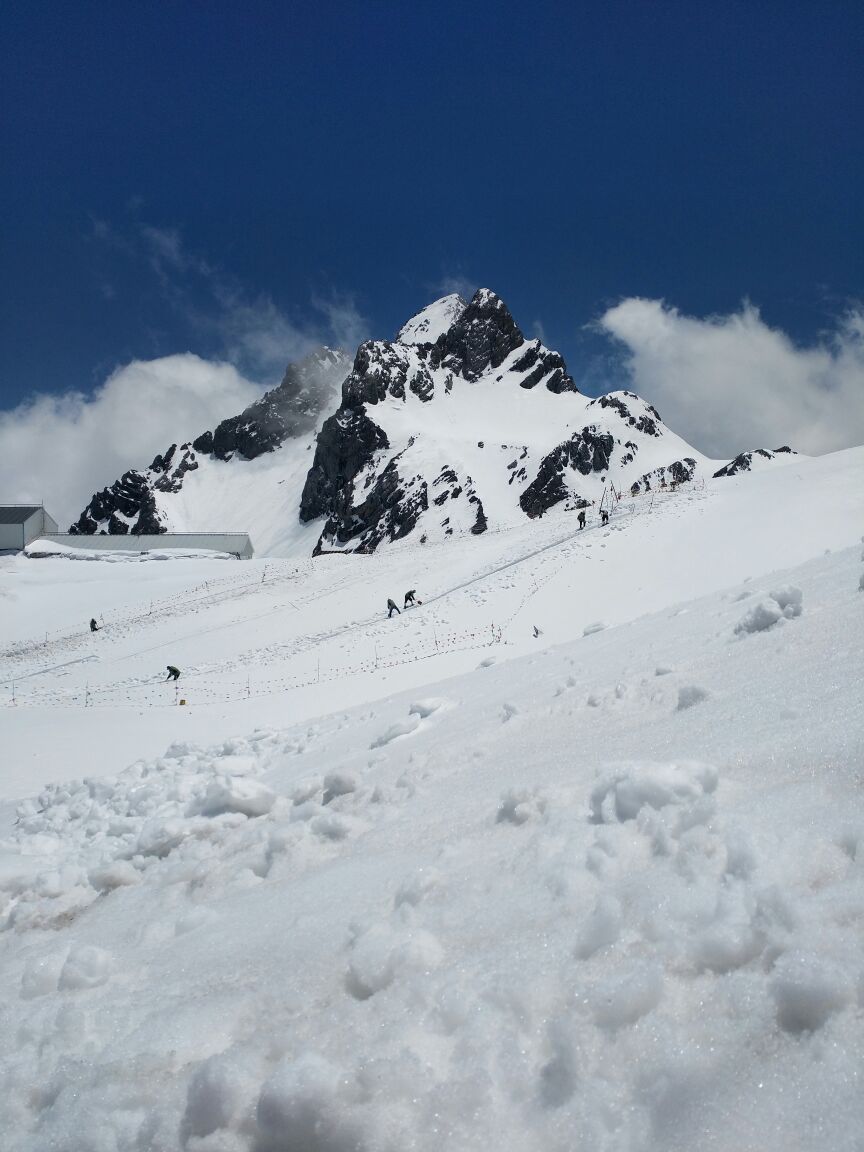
x,y
409,597
581,519
173,673
391,605
604,516
94,627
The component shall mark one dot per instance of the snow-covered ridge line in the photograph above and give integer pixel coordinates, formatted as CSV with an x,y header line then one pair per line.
x,y
458,425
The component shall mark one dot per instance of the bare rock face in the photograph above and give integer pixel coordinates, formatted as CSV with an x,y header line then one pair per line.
x,y
128,506
347,442
743,462
586,452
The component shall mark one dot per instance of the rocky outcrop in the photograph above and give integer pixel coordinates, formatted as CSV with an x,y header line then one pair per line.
x,y
289,410
586,452
388,511
128,506
347,444
641,416
743,462
678,472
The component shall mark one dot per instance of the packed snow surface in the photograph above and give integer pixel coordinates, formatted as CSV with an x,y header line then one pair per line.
x,y
571,855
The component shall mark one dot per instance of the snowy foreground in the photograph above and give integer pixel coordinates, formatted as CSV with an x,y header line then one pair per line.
x,y
604,895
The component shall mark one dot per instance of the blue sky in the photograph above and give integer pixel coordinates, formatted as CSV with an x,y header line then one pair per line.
x,y
235,180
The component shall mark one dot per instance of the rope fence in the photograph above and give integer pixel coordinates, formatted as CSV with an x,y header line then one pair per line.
x,y
194,690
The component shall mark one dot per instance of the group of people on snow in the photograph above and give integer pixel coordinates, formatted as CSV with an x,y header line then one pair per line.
x,y
604,517
411,601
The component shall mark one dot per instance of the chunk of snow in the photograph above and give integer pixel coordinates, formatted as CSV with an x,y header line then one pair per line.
x,y
690,694
86,966
424,708
807,989
789,599
623,999
590,629
401,728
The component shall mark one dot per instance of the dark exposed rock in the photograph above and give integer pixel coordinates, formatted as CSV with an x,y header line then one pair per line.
x,y
131,497
538,363
346,444
291,409
743,462
389,512
646,421
482,338
587,451
171,479
678,472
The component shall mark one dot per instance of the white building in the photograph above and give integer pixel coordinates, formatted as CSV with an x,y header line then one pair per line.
x,y
236,543
21,523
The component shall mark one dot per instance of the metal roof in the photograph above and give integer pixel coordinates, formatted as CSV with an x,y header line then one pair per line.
x,y
17,513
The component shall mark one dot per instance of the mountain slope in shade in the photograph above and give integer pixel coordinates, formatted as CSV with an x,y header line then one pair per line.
x,y
458,425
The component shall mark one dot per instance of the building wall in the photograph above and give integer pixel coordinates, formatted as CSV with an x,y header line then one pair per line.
x,y
19,535
236,542
39,524
11,536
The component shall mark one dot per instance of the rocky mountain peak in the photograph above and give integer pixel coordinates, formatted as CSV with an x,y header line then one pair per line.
x,y
481,338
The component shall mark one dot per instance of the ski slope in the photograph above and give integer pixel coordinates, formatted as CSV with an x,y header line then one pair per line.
x,y
437,881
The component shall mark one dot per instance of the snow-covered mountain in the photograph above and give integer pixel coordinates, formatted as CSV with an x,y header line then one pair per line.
x,y
458,425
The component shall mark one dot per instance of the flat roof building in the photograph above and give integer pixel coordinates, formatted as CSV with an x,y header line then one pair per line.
x,y
21,523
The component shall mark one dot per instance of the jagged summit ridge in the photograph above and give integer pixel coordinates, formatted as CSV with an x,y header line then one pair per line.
x,y
458,424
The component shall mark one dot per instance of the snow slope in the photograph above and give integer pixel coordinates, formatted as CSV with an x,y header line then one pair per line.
x,y
432,321
457,883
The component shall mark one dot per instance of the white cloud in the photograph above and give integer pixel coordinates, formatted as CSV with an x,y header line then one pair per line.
x,y
456,283
729,383
61,449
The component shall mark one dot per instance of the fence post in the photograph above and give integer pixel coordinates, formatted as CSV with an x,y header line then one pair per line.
x,y
248,688
87,695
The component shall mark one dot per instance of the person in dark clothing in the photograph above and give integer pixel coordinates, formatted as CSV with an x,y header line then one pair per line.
x,y
94,627
581,519
604,517
173,673
409,597
391,605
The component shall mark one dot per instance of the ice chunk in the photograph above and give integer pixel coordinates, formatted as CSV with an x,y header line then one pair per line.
x,y
590,629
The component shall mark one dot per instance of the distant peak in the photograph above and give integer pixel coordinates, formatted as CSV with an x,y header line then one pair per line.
x,y
433,321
